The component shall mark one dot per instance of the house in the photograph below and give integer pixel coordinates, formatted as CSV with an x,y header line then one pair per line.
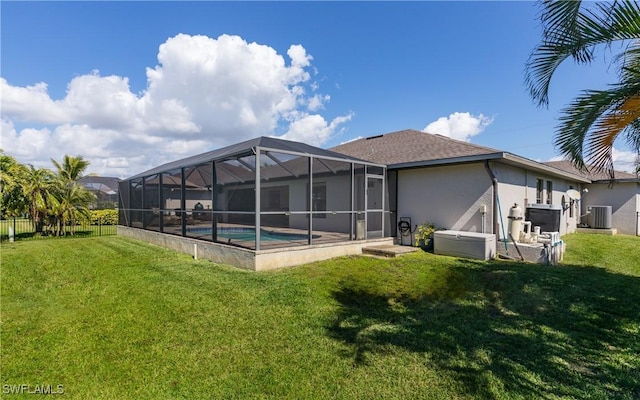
x,y
268,203
463,186
622,194
105,189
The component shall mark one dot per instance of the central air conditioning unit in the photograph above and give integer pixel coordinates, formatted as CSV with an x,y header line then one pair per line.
x,y
600,217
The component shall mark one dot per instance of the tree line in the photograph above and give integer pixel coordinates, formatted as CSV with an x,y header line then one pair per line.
x,y
52,199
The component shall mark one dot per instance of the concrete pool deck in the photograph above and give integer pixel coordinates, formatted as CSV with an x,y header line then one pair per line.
x,y
261,260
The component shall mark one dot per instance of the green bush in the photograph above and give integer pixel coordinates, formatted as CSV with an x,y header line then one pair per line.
x,y
103,217
424,234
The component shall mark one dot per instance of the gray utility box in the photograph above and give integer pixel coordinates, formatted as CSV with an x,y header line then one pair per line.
x,y
465,244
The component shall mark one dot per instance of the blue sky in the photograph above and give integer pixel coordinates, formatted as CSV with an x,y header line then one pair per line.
x,y
130,85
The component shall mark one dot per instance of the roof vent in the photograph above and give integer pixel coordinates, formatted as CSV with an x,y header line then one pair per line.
x,y
374,137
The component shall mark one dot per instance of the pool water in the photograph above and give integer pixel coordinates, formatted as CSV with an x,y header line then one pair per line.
x,y
248,234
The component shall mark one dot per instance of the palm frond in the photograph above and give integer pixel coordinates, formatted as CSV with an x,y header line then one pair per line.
x,y
629,61
607,130
71,168
592,122
572,32
632,135
558,16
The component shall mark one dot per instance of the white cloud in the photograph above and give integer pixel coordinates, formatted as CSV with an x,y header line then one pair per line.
x,y
104,102
299,56
100,146
624,160
459,125
30,103
317,102
204,93
30,145
313,129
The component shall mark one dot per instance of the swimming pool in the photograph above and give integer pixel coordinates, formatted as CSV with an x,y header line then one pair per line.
x,y
248,234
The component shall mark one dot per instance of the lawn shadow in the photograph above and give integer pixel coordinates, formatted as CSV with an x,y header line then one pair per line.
x,y
530,330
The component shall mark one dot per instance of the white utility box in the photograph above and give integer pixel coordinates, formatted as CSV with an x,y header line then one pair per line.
x,y
465,244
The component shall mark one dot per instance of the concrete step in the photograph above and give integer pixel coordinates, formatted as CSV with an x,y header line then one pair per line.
x,y
388,250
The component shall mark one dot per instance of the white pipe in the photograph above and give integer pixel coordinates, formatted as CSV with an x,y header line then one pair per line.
x,y
195,251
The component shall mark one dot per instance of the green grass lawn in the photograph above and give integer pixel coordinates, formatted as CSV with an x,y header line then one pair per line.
x,y
112,318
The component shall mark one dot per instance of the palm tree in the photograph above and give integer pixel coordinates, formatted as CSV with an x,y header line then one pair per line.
x,y
590,124
71,168
73,199
72,205
39,186
13,201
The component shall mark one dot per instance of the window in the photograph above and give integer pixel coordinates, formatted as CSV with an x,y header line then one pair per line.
x,y
319,199
274,200
549,192
572,204
539,190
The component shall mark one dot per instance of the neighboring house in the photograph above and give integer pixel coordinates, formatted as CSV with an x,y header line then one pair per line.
x,y
104,187
462,186
621,193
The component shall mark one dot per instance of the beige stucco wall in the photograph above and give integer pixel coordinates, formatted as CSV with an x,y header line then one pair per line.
x,y
624,199
449,197
517,185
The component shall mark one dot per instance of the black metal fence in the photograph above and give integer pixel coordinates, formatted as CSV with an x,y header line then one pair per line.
x,y
24,229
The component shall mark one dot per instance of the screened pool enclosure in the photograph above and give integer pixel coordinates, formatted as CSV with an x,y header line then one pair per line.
x,y
261,194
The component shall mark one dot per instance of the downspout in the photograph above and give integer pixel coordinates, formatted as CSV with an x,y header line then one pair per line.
x,y
494,213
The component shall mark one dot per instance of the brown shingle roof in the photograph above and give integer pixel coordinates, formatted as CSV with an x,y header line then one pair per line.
x,y
567,166
409,146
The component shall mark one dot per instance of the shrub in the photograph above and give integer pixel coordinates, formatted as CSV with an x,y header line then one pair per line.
x,y
424,235
103,217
